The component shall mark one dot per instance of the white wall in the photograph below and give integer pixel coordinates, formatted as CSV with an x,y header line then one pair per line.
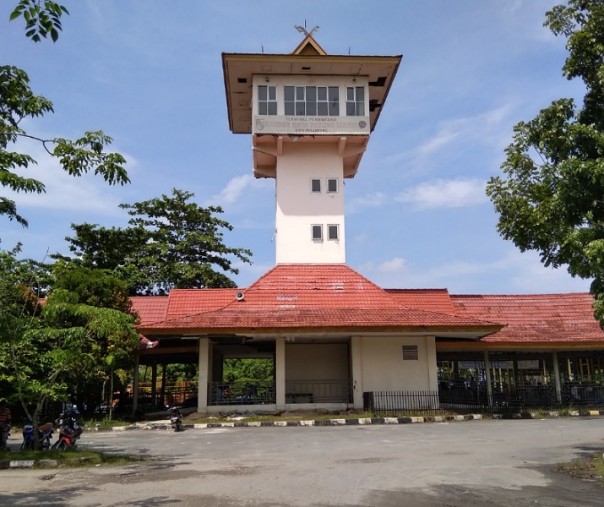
x,y
383,368
298,208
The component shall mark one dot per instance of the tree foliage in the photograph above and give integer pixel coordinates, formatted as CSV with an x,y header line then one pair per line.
x,y
171,242
551,197
42,18
78,336
18,102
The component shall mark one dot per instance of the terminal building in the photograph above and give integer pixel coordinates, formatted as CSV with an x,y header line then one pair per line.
x,y
335,339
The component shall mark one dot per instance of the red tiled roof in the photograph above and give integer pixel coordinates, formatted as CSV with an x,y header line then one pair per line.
x,y
149,308
538,318
434,300
313,296
190,301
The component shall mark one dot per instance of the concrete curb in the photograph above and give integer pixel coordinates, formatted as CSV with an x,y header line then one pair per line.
x,y
161,425
360,421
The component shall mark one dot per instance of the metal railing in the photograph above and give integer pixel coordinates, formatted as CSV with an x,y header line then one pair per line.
x,y
317,391
468,399
241,393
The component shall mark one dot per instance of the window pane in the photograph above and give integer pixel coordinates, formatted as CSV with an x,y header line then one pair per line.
x,y
272,108
299,93
311,109
289,108
333,232
334,109
322,92
334,93
332,185
350,94
262,93
311,94
262,108
360,93
300,109
316,185
272,93
350,109
360,108
317,232
289,93
322,108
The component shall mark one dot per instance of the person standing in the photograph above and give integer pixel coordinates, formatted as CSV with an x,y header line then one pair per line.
x,y
5,420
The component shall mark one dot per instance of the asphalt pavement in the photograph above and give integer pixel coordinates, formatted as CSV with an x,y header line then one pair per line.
x,y
471,463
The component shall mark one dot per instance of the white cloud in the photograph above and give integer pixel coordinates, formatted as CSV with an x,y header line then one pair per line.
x,y
442,138
478,128
394,265
512,273
387,269
374,200
445,194
237,188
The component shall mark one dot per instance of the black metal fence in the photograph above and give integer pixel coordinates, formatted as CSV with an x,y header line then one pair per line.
x,y
317,391
467,399
241,393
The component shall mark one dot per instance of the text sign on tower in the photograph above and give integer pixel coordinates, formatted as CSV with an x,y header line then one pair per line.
x,y
310,125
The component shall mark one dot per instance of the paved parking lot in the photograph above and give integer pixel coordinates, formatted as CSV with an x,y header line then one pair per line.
x,y
492,463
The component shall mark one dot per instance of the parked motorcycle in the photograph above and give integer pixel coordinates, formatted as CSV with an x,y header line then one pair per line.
x,y
69,431
4,434
176,419
45,432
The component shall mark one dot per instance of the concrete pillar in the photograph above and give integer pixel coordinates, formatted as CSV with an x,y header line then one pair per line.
x,y
163,385
154,384
557,377
135,380
203,379
356,362
431,363
280,372
488,380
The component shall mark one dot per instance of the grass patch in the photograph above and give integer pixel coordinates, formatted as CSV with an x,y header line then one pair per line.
x,y
591,468
71,458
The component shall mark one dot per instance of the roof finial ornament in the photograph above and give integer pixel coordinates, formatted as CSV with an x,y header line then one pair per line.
x,y
302,29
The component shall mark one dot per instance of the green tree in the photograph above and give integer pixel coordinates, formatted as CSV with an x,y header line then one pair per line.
x,y
171,243
551,197
18,102
76,337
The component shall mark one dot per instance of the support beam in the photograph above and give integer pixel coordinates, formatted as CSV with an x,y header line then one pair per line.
x,y
154,385
204,369
487,370
279,146
557,377
135,382
341,146
280,372
356,361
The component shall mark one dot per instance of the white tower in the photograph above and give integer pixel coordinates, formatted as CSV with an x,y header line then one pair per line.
x,y
310,115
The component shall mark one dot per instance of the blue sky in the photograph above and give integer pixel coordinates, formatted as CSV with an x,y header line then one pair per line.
x,y
149,73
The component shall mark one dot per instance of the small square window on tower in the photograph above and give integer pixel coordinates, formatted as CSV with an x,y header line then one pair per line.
x,y
332,185
315,185
333,232
317,233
